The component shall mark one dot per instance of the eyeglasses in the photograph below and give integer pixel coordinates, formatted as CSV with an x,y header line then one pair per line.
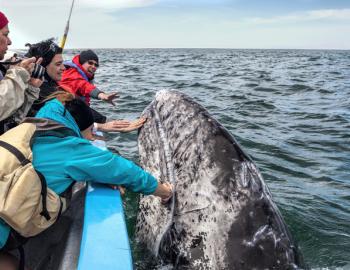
x,y
92,63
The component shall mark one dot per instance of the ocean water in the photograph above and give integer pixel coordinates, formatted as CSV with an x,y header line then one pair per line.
x,y
289,109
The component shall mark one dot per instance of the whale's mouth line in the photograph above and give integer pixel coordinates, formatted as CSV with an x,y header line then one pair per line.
x,y
170,174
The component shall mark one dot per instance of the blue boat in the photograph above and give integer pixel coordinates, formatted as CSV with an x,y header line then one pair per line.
x,y
104,223
104,242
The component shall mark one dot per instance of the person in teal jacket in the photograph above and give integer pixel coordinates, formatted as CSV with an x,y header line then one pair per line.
x,y
65,160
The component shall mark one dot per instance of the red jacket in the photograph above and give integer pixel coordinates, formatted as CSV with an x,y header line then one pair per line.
x,y
74,82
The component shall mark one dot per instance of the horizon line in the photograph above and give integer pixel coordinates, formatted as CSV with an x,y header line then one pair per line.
x,y
197,48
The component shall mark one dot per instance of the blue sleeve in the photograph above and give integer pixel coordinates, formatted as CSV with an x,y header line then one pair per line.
x,y
89,163
4,233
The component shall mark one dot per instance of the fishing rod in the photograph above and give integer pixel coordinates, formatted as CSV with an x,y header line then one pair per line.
x,y
64,38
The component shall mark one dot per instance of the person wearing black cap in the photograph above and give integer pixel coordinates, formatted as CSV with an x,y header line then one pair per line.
x,y
78,79
79,75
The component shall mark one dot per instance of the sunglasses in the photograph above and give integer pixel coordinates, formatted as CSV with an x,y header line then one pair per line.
x,y
92,63
50,50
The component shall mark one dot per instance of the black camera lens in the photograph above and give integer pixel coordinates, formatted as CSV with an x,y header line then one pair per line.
x,y
38,72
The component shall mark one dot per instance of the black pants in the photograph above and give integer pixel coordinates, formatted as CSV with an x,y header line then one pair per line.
x,y
98,118
14,241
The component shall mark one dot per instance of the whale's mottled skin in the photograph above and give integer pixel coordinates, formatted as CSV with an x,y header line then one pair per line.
x,y
222,215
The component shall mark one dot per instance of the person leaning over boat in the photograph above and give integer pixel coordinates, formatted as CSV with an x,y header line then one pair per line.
x,y
86,163
53,62
17,89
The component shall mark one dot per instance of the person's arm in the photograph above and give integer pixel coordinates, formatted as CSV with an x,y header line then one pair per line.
x,y
31,94
89,163
12,89
87,88
120,125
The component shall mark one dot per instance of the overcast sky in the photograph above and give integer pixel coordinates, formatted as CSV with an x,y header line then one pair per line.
x,y
309,24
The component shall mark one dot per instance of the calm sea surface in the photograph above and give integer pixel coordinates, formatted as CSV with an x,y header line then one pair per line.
x,y
289,109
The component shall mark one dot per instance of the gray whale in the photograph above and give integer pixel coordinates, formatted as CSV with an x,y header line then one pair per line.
x,y
222,215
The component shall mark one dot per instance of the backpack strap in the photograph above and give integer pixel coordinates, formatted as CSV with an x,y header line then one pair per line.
x,y
18,154
43,192
44,212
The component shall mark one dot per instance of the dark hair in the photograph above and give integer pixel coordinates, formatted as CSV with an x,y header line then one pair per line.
x,y
46,49
81,113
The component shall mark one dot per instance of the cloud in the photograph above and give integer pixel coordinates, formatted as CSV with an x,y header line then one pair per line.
x,y
306,16
103,4
117,4
95,24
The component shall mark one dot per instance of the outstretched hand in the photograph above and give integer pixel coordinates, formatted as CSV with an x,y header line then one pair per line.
x,y
134,125
108,97
121,189
121,125
164,191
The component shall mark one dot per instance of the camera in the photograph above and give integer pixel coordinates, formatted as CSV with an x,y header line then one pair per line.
x,y
38,71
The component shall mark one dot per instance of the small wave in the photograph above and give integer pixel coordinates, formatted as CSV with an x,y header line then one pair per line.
x,y
186,66
298,80
260,104
312,59
251,84
266,89
222,74
325,91
335,73
300,88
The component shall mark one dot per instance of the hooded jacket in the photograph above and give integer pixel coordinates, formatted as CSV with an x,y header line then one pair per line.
x,y
64,160
16,96
76,80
